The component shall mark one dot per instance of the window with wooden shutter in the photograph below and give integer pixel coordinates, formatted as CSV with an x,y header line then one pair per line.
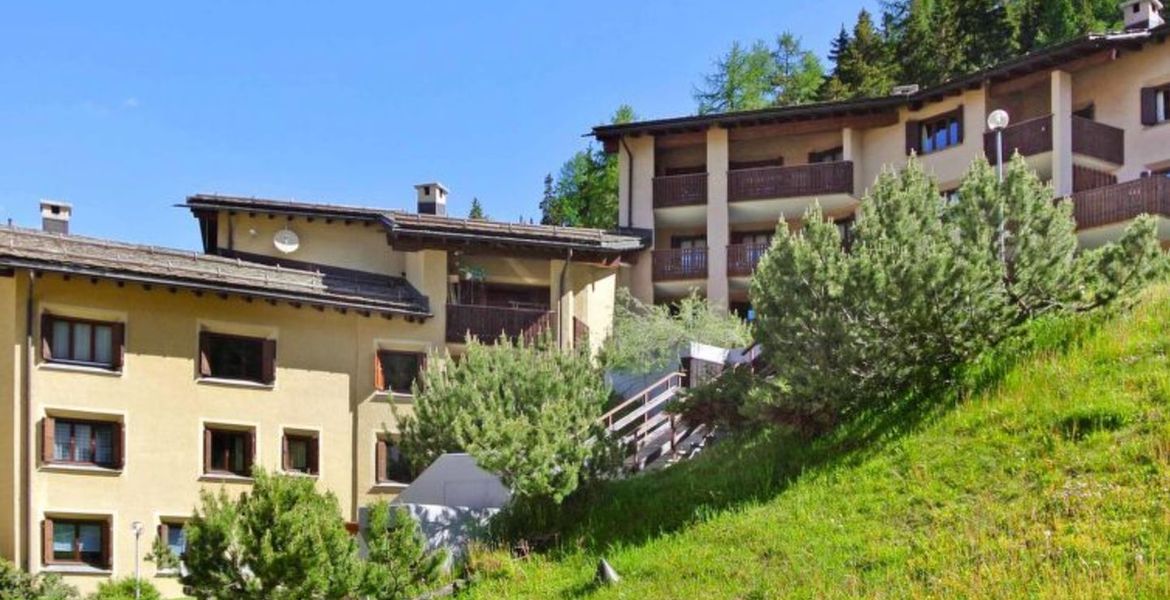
x,y
82,342
391,463
82,442
228,451
237,357
300,453
398,371
913,137
1155,107
77,541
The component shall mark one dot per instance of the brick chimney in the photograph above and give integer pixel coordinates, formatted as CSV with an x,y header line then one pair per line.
x,y
1142,14
432,199
55,216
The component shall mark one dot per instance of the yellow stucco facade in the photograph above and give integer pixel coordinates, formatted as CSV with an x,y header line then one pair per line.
x,y
323,388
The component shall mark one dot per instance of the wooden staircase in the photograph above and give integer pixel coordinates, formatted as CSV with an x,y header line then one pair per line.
x,y
642,426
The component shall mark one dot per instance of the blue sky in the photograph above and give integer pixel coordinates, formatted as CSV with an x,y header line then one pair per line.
x,y
125,108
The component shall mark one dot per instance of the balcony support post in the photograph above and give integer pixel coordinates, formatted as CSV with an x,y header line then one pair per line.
x,y
851,152
637,180
718,228
1062,155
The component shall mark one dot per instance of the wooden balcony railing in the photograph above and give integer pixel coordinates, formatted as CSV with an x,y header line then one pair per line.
x,y
742,258
487,322
1098,140
790,182
680,190
1034,136
1122,202
1029,138
680,264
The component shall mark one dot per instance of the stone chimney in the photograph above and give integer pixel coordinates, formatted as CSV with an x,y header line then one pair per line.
x,y
1142,14
432,199
55,216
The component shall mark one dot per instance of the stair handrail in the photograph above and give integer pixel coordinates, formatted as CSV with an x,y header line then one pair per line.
x,y
642,395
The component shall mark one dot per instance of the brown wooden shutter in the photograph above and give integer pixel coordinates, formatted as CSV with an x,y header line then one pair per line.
x,y
1149,106
912,137
250,451
379,376
119,445
314,452
46,336
204,354
380,462
118,352
268,361
47,541
107,545
48,428
206,450
962,123
285,459
163,532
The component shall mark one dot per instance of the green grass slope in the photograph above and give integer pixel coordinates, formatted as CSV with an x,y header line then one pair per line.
x,y
1050,479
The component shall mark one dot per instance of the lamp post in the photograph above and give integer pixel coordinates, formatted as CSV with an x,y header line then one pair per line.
x,y
997,121
136,527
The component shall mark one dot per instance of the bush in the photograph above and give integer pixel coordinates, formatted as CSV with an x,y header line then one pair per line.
x,y
725,401
924,288
647,338
123,589
15,584
526,412
281,540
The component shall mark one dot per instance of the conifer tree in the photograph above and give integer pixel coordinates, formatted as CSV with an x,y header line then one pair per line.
x,y
742,79
524,411
399,566
476,211
798,72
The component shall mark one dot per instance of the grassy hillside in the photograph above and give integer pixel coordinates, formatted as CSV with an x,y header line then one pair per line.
x,y
1046,478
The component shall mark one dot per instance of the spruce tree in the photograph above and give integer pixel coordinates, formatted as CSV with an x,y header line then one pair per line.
x,y
476,211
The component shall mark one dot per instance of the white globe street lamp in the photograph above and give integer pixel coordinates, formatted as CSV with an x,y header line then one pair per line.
x,y
137,527
997,121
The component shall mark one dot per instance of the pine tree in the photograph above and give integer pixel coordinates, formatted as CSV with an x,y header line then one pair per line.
x,y
585,192
548,206
281,539
522,411
476,211
742,80
865,68
398,566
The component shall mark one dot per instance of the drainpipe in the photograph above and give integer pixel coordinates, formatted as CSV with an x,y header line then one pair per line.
x,y
26,423
561,300
629,185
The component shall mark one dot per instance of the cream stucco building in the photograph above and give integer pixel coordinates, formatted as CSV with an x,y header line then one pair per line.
x,y
138,376
1091,115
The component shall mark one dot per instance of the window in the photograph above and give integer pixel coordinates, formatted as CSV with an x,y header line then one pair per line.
x,y
831,155
77,442
1155,105
688,242
80,341
173,535
950,197
237,357
397,371
845,228
739,165
77,541
391,464
228,452
300,453
934,134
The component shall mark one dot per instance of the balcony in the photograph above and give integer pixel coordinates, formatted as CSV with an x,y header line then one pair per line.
x,y
680,264
1122,202
680,190
742,258
766,183
1034,136
487,322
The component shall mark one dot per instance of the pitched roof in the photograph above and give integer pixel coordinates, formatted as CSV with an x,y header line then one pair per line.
x,y
437,228
1031,62
90,257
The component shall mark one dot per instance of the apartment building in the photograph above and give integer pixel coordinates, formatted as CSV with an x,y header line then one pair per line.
x,y
1091,115
138,376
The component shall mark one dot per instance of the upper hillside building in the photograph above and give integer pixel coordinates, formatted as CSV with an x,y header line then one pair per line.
x,y
1091,115
137,376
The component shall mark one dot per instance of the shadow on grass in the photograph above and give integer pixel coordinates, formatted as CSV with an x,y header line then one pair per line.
x,y
755,467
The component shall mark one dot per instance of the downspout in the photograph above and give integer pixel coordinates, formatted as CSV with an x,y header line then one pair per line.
x,y
561,300
629,185
26,424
